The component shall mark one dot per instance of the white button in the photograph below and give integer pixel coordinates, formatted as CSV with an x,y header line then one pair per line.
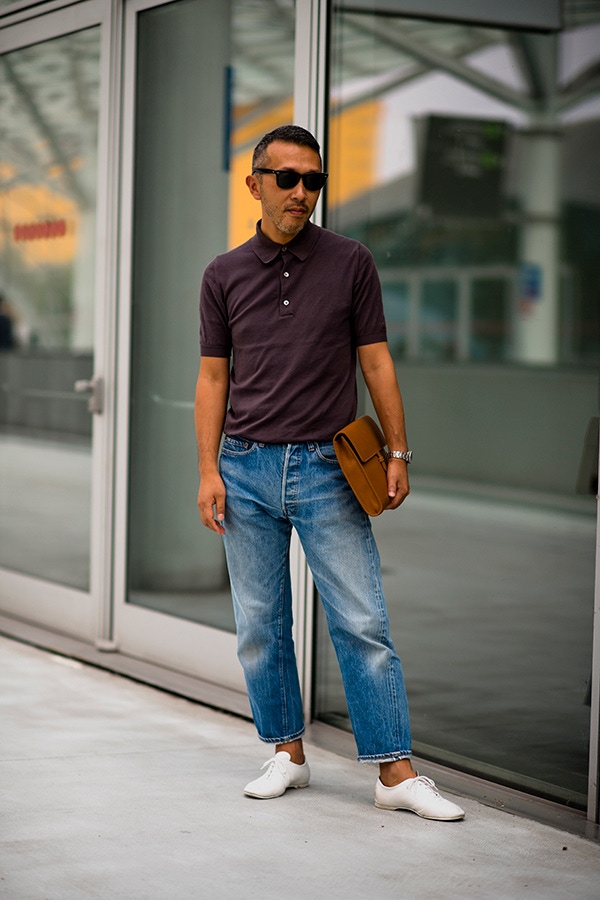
x,y
286,302
286,274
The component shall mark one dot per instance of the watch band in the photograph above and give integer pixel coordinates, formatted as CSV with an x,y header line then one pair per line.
x,y
406,455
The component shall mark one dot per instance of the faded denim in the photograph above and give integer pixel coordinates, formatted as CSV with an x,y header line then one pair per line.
x,y
270,489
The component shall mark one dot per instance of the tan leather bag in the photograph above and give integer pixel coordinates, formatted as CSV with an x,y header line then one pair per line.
x,y
361,453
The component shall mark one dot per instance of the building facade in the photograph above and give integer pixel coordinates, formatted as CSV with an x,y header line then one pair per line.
x,y
462,145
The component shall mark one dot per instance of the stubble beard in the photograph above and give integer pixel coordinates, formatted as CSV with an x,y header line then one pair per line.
x,y
282,223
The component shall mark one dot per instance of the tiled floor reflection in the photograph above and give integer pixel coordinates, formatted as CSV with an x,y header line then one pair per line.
x,y
490,601
45,492
45,495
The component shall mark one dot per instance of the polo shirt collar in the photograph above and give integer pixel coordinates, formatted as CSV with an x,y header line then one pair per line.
x,y
301,246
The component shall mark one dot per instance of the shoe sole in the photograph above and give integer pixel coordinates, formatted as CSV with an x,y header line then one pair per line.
x,y
273,796
456,818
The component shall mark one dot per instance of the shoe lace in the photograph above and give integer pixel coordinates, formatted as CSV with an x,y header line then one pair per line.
x,y
428,784
271,766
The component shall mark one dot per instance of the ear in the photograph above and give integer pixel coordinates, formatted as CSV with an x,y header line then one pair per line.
x,y
253,186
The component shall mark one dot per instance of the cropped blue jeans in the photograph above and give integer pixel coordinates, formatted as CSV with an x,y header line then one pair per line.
x,y
272,488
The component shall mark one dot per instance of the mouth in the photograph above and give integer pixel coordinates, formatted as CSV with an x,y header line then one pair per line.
x,y
296,210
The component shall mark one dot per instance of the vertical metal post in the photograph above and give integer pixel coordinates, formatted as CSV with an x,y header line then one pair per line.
x,y
105,324
310,111
310,73
593,811
464,317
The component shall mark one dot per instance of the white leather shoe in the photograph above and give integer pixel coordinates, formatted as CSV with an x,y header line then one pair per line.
x,y
281,773
419,795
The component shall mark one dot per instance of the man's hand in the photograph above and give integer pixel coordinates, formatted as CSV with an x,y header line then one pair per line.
x,y
211,502
398,489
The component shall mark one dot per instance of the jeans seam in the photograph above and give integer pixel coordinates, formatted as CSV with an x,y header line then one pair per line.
x,y
285,738
282,673
393,700
286,462
373,554
386,757
332,461
284,711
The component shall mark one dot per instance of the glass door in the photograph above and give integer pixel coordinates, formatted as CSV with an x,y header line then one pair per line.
x,y
52,328
470,179
198,96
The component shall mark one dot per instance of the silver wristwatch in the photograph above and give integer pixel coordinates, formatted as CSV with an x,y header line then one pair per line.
x,y
406,455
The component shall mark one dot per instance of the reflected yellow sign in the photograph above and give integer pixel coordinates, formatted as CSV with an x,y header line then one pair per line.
x,y
39,225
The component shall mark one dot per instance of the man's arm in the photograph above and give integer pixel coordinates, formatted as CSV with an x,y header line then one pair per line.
x,y
380,376
212,392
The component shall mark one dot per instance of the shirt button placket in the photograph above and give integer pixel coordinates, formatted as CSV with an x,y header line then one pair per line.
x,y
285,301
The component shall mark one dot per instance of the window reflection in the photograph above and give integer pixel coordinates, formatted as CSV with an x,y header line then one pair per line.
x,y
186,212
464,157
438,310
490,317
49,108
457,145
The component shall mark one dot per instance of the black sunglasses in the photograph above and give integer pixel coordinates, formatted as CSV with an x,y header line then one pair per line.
x,y
287,178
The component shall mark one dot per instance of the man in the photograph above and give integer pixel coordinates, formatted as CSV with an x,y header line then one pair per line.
x,y
294,307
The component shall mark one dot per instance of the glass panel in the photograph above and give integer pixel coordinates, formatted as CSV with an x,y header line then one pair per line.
x,y
465,158
48,139
396,302
191,203
438,320
489,331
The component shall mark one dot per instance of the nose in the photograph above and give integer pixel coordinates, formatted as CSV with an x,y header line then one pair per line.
x,y
299,192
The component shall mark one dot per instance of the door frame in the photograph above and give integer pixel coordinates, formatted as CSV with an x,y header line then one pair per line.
x,y
84,614
202,651
311,104
178,644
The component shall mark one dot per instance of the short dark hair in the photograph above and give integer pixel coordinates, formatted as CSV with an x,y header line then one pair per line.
x,y
289,134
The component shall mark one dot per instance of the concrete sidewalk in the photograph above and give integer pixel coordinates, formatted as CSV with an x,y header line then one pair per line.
x,y
112,789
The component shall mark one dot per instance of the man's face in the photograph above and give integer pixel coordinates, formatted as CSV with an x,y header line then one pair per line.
x,y
285,212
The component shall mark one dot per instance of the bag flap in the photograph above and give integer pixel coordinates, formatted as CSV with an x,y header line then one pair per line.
x,y
364,435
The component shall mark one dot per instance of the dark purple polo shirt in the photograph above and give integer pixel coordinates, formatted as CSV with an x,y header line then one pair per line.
x,y
292,317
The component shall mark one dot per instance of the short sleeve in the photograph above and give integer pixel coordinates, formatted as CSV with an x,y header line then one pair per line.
x,y
215,334
368,323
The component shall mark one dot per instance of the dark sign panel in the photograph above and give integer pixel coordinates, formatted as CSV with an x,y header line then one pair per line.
x,y
462,166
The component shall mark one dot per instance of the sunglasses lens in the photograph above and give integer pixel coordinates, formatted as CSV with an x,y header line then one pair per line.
x,y
287,180
314,181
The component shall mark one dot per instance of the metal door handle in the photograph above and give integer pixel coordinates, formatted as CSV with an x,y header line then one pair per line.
x,y
95,387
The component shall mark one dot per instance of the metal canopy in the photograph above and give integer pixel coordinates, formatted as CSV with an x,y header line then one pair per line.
x,y
49,91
